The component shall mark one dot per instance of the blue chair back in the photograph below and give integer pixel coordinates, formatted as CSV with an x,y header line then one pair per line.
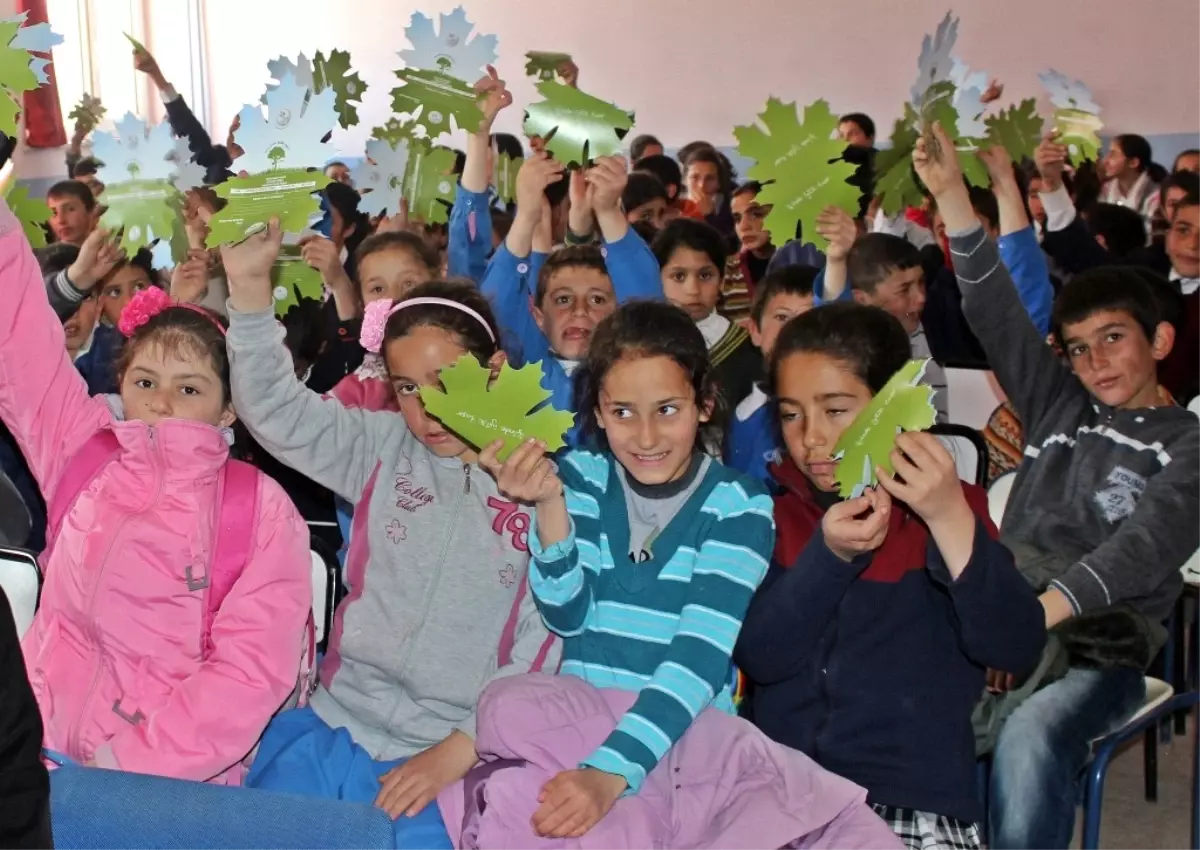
x,y
91,807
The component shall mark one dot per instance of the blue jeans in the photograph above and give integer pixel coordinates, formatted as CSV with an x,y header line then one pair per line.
x,y
1043,749
299,754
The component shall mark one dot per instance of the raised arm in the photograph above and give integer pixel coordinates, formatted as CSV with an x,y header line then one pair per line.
x,y
1019,248
833,281
470,229
335,447
631,267
1027,368
257,639
729,567
43,398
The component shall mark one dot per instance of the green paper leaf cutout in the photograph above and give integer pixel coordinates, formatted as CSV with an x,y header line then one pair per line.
x,y
288,194
544,65
393,131
1079,131
293,279
32,212
429,182
895,180
143,210
137,45
88,113
15,73
576,127
432,98
481,414
904,404
348,88
801,167
1017,129
505,176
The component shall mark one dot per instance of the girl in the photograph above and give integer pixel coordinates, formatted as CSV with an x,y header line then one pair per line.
x,y
390,265
134,664
691,258
119,286
645,554
903,591
436,564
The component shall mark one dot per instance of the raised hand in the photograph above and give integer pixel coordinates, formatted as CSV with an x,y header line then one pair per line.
x,y
836,225
993,92
189,279
939,170
606,181
537,172
493,96
856,526
248,268
1051,159
575,800
999,164
321,254
569,72
99,254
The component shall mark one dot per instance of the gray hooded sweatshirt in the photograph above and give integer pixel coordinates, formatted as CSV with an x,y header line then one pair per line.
x,y
1110,493
437,562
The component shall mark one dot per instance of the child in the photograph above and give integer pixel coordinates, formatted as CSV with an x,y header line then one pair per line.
x,y
435,567
72,211
1126,170
1094,513
390,265
857,129
752,443
668,172
691,256
643,146
885,271
709,184
901,591
645,200
134,665
576,287
117,288
24,784
746,268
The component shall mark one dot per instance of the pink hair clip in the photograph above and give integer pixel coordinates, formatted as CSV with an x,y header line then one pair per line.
x,y
147,304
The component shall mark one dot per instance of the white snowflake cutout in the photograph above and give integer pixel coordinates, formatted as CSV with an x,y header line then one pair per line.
x,y
383,174
292,128
936,59
134,152
448,50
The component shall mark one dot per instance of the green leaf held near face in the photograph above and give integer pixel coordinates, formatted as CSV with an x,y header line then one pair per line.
x,y
480,414
801,166
904,404
288,194
576,127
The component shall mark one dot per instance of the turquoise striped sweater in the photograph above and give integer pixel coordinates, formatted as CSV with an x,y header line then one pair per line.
x,y
665,628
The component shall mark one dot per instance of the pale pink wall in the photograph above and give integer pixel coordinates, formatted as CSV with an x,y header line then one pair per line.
x,y
695,68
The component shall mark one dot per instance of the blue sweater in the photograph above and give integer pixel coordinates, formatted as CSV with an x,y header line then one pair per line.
x,y
469,235
874,667
665,628
752,441
510,282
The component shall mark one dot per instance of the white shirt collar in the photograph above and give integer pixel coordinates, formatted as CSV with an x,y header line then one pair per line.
x,y
712,328
1187,285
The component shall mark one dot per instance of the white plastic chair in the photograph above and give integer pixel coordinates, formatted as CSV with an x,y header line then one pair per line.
x,y
973,396
321,601
1194,405
968,449
998,495
21,580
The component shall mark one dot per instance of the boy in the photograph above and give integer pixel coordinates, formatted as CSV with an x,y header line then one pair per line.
x,y
1094,517
885,271
669,174
645,199
857,129
752,441
72,211
643,146
572,289
745,268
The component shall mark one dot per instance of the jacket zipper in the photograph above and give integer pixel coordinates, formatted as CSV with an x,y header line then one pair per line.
x,y
74,735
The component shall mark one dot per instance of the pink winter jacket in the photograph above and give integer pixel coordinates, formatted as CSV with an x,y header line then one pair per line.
x,y
114,652
724,784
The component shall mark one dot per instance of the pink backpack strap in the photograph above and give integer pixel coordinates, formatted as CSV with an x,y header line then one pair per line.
x,y
81,469
508,637
237,521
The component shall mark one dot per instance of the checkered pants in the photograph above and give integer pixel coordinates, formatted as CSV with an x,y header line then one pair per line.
x,y
926,831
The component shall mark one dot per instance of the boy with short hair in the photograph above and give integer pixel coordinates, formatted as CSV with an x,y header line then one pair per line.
x,y
1094,513
885,271
573,288
745,268
645,199
72,211
857,129
752,441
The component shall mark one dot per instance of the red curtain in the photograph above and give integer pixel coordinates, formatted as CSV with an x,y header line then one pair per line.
x,y
43,115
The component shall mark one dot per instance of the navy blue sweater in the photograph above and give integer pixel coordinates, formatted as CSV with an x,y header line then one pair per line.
x,y
873,667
